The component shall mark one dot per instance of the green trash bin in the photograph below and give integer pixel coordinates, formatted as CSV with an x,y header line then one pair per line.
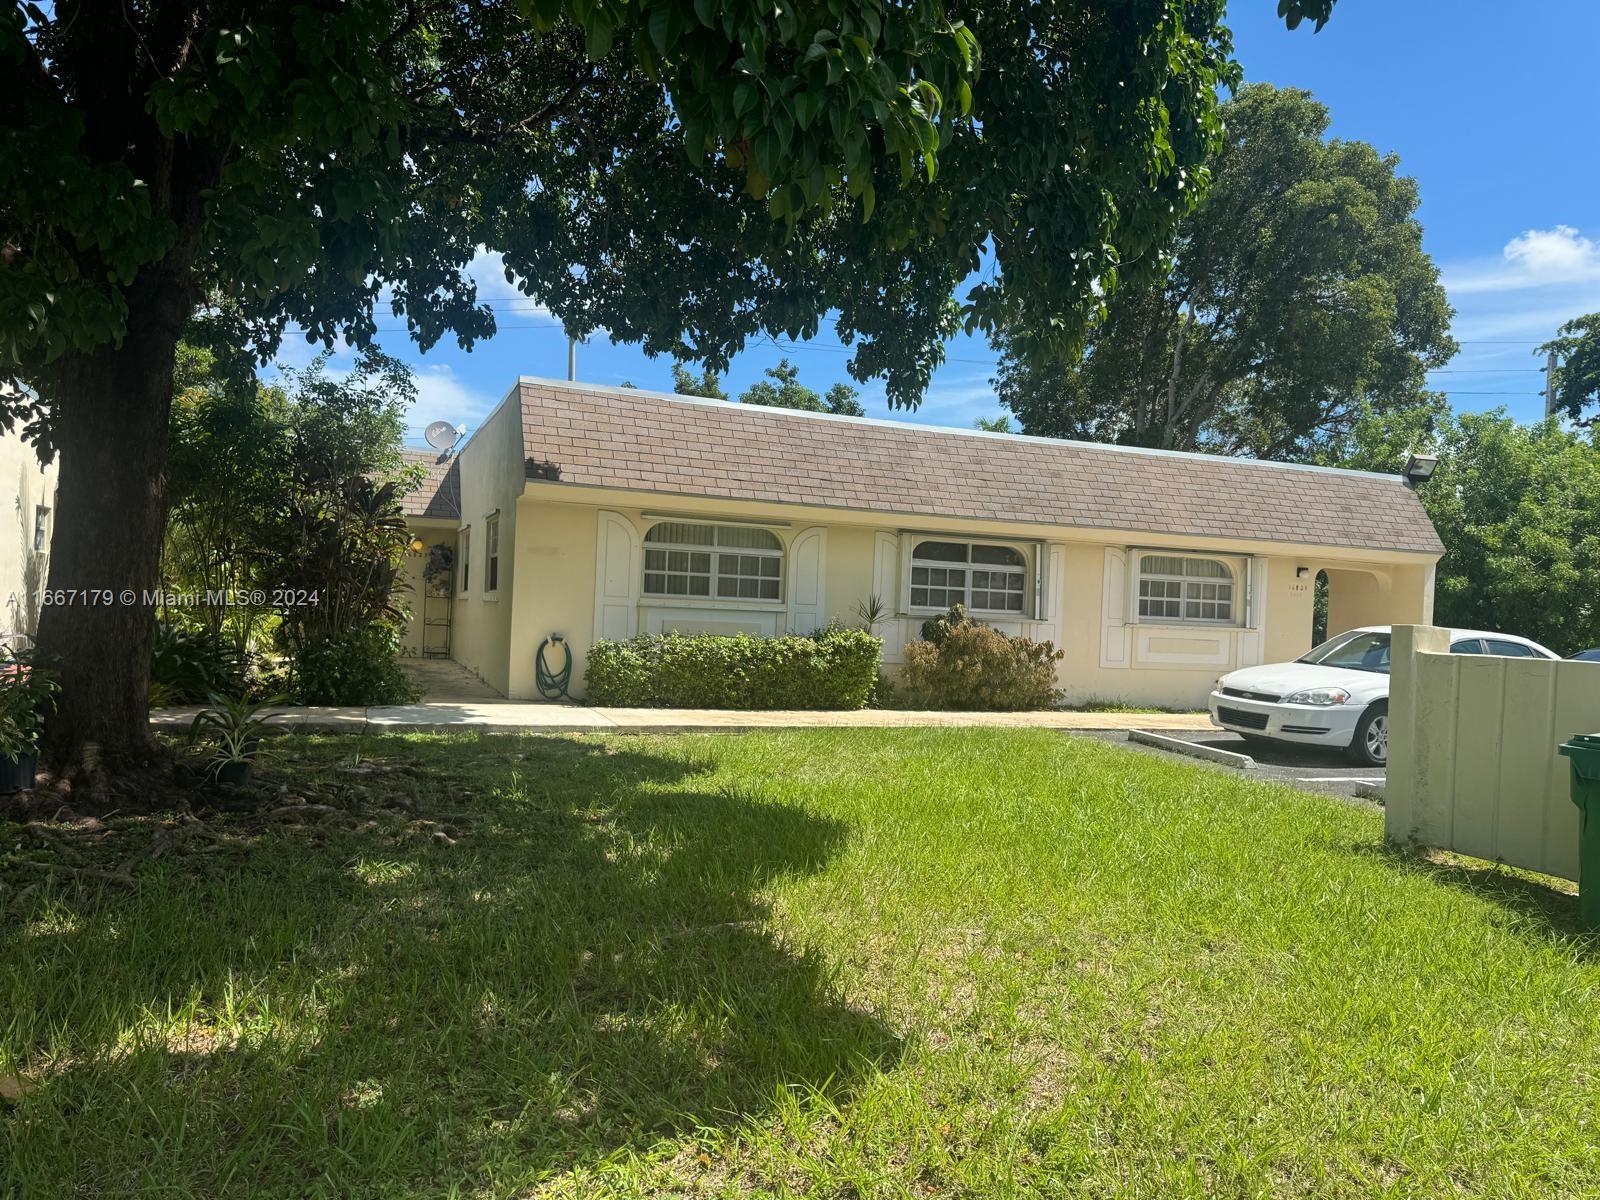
x,y
1584,751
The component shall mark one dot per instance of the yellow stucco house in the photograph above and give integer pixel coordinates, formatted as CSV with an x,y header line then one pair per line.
x,y
597,512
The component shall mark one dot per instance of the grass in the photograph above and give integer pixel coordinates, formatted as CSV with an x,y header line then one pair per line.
x,y
833,963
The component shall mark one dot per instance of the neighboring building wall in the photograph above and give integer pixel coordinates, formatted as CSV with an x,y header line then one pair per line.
x,y
24,547
1473,760
580,567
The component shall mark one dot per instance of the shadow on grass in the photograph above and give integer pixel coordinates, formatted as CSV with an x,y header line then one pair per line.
x,y
1523,895
588,970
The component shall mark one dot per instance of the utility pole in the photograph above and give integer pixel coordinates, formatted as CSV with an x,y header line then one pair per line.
x,y
572,360
1550,385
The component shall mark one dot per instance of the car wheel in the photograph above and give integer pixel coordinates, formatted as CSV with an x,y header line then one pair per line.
x,y
1370,746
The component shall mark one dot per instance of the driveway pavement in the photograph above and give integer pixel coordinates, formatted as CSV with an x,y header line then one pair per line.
x,y
1307,767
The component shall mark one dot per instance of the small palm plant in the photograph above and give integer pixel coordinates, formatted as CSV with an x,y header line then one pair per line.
x,y
870,612
235,731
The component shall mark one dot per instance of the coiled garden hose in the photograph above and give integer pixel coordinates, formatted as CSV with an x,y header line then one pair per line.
x,y
553,687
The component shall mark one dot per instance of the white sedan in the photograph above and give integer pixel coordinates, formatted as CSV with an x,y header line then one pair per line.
x,y
1337,695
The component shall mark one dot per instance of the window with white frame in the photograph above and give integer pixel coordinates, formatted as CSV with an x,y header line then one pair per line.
x,y
725,562
491,553
984,578
1178,587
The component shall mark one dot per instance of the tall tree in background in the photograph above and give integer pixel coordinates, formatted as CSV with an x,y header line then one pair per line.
x,y
1299,298
300,163
686,383
1518,509
1577,377
786,391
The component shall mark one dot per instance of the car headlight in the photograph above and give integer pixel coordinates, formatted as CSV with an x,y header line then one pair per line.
x,y
1320,697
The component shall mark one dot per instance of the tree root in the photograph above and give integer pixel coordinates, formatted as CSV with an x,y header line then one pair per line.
x,y
122,877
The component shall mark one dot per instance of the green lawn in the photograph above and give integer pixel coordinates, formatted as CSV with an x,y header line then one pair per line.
x,y
835,963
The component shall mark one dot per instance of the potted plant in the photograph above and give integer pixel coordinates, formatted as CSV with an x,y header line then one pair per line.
x,y
26,697
236,730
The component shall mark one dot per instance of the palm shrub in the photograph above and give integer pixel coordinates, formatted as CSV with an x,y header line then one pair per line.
x,y
963,664
189,664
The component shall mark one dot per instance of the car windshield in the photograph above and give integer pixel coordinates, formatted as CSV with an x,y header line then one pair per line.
x,y
1354,652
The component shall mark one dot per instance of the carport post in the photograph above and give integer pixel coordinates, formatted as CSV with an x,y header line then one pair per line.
x,y
1405,771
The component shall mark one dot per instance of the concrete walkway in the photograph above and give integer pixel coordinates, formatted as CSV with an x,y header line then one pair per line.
x,y
506,716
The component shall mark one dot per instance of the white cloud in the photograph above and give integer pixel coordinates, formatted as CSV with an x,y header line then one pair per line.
x,y
442,396
1535,258
956,401
488,271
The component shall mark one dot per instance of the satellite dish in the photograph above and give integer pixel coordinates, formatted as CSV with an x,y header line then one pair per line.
x,y
442,435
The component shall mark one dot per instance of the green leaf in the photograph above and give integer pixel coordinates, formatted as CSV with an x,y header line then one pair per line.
x,y
661,26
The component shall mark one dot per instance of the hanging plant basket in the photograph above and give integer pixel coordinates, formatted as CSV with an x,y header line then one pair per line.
x,y
441,565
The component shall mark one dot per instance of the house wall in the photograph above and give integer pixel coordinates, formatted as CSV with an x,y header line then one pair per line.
x,y
580,561
23,566
481,630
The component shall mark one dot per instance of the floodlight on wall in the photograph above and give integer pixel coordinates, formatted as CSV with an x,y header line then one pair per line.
x,y
1420,468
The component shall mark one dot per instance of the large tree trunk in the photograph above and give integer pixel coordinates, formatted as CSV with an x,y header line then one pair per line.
x,y
111,432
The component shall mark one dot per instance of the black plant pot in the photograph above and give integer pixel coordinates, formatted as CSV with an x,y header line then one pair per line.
x,y
16,774
236,773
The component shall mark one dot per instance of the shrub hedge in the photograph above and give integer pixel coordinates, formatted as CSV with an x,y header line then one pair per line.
x,y
356,667
833,668
962,664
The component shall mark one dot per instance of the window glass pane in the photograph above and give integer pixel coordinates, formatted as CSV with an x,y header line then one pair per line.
x,y
1206,568
769,589
682,533
1509,649
727,586
655,583
1472,646
739,537
770,567
699,585
1158,564
919,597
941,551
1003,556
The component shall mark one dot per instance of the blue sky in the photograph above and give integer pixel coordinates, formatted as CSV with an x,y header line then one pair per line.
x,y
1486,105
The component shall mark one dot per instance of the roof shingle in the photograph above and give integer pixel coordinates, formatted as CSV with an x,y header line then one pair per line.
x,y
642,441
438,498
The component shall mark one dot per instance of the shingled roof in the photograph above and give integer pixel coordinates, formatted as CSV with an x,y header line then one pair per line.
x,y
439,496
677,445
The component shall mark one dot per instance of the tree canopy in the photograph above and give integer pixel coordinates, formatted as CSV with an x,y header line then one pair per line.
x,y
686,383
786,391
1577,376
1299,297
1518,509
684,174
